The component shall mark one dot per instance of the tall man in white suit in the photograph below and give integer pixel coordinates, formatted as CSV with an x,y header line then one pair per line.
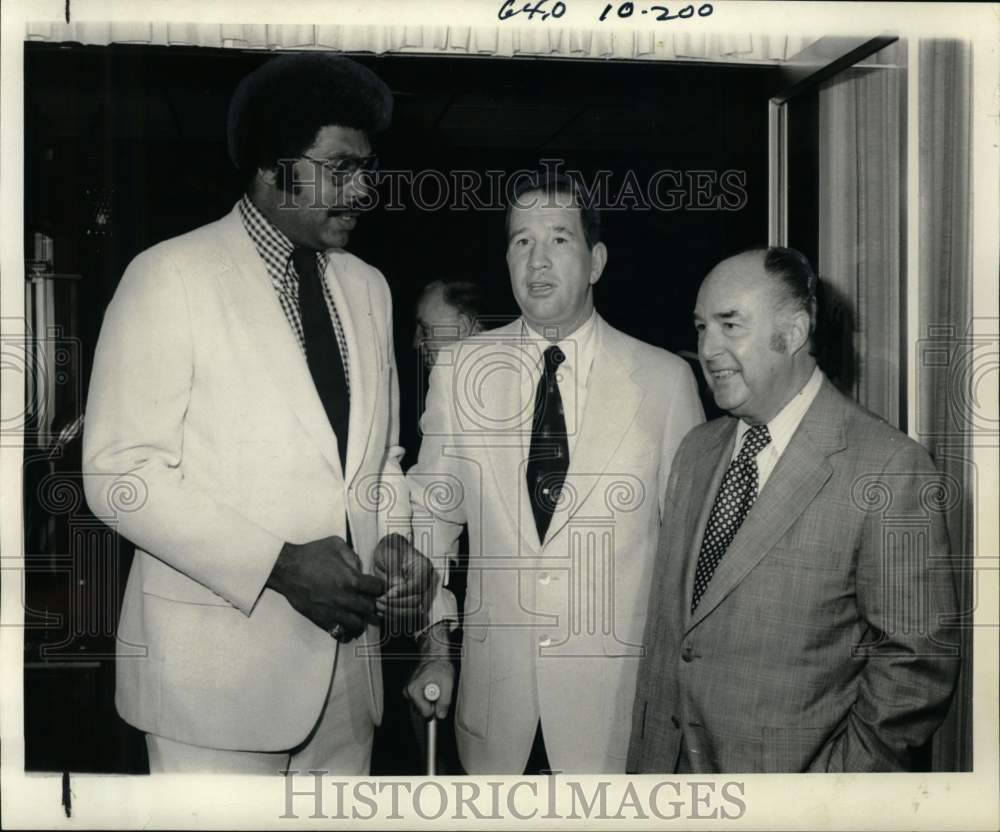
x,y
552,438
244,395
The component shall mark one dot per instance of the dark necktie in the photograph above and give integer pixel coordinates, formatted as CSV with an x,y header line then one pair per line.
x,y
326,364
548,458
736,495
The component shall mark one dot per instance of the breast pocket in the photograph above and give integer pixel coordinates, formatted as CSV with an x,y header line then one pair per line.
x,y
472,714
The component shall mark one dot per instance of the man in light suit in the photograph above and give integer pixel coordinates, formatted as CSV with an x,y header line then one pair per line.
x,y
802,587
552,438
446,311
241,415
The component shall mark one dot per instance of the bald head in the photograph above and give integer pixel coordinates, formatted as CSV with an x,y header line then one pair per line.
x,y
447,311
754,333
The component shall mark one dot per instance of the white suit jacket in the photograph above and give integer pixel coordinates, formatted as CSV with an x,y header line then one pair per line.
x,y
552,628
206,444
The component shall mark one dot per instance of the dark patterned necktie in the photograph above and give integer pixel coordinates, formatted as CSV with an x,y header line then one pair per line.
x,y
736,495
326,364
548,459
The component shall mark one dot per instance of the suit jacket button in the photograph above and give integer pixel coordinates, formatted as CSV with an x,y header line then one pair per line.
x,y
686,653
675,722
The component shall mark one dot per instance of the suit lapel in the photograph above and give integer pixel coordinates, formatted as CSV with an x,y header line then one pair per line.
x,y
705,479
799,475
493,371
351,294
613,399
252,296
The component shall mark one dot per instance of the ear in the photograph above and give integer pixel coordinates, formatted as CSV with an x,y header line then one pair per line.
x,y
598,260
268,176
280,178
468,325
797,331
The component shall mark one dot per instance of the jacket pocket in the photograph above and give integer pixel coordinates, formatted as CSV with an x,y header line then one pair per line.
x,y
475,694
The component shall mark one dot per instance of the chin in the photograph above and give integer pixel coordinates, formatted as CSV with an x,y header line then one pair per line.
x,y
731,404
334,237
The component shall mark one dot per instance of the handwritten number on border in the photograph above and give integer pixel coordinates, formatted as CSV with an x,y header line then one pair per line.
x,y
543,11
508,10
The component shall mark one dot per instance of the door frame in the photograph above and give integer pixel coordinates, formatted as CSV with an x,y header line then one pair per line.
x,y
822,60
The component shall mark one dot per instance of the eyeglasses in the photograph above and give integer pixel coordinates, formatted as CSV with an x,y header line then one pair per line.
x,y
344,167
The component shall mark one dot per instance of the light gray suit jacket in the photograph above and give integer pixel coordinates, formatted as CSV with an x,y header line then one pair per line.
x,y
820,643
207,445
552,626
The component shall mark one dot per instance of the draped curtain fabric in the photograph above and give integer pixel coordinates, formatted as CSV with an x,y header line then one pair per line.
x,y
861,164
859,224
499,40
949,358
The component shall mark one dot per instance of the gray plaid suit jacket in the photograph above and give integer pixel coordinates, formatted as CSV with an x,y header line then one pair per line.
x,y
820,643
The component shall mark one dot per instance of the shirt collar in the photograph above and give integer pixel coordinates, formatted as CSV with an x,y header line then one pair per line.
x,y
784,424
267,233
273,245
579,348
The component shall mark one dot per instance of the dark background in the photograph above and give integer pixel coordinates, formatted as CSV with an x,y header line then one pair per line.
x,y
126,146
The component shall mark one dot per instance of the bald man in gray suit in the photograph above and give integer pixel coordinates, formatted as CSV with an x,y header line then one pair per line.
x,y
798,601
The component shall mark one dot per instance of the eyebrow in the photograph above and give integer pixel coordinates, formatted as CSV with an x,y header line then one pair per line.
x,y
559,229
336,157
729,314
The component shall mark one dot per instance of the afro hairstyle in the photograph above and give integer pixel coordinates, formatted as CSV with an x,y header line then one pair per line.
x,y
278,108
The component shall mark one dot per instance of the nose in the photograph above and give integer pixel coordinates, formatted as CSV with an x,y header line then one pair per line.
x,y
709,343
357,188
539,257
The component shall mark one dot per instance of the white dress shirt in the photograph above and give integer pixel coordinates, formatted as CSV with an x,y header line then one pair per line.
x,y
572,375
782,427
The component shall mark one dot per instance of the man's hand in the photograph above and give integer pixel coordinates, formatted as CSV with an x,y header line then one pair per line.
x,y
323,580
435,666
442,673
410,578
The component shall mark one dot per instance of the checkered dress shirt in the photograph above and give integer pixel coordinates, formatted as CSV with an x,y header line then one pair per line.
x,y
275,249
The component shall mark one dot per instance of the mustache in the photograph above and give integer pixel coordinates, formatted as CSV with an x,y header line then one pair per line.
x,y
302,197
351,209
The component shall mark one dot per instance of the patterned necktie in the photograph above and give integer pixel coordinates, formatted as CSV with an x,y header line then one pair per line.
x,y
548,459
326,364
736,495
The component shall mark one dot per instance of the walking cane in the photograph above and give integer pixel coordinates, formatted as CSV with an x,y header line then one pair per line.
x,y
432,693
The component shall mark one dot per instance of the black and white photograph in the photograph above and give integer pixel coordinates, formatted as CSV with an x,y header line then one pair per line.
x,y
651,446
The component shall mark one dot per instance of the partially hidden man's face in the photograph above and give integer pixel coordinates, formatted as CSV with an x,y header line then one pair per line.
x,y
552,271
318,209
438,325
741,345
